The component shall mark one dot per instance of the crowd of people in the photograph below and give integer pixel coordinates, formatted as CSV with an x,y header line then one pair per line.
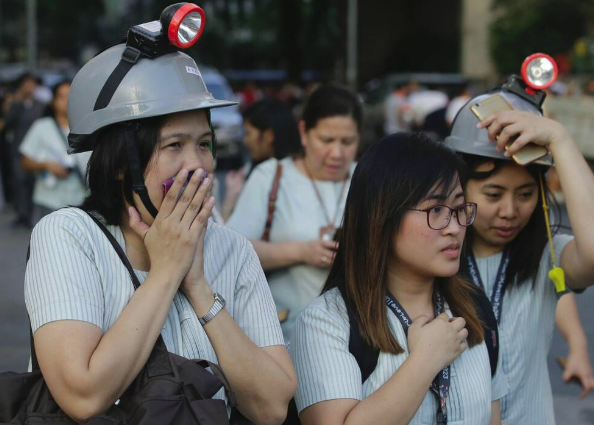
x,y
410,285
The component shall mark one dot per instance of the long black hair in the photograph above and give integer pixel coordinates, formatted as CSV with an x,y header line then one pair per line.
x,y
527,248
395,174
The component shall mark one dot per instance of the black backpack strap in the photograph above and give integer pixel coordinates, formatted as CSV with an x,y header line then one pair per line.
x,y
366,355
490,330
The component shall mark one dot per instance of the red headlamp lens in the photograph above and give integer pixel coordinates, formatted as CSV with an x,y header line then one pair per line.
x,y
539,71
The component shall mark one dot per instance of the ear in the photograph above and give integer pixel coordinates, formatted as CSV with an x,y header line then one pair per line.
x,y
268,137
302,133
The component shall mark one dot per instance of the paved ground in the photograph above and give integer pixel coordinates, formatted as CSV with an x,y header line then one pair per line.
x,y
14,336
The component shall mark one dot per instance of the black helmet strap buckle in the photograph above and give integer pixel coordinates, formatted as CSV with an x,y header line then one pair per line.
x,y
134,163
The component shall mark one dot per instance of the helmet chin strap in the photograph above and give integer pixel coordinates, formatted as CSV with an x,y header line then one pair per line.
x,y
135,170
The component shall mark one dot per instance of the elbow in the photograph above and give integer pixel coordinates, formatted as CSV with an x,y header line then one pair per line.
x,y
271,415
80,409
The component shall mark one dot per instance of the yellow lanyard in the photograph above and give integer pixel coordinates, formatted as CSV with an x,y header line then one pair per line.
x,y
556,274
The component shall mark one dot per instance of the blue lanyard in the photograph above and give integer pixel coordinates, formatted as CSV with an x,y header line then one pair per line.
x,y
441,383
498,286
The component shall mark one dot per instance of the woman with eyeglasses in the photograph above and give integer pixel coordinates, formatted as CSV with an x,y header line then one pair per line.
x,y
511,251
394,281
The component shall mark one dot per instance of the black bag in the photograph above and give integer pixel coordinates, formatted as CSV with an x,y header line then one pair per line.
x,y
168,390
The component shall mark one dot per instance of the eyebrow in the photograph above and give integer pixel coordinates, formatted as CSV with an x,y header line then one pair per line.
x,y
183,135
497,186
442,197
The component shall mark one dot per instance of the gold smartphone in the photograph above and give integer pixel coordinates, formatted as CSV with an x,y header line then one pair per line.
x,y
495,103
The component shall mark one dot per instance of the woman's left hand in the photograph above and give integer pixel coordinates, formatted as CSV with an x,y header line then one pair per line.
x,y
195,284
524,127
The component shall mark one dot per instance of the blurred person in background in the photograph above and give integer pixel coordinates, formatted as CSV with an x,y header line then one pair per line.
x,y
22,109
397,108
59,177
294,231
270,131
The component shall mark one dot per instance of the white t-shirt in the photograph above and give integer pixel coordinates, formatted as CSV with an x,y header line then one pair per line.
x,y
298,217
326,370
525,332
75,274
44,142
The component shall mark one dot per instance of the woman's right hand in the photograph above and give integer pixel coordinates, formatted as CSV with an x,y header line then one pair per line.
x,y
172,239
57,169
319,253
439,341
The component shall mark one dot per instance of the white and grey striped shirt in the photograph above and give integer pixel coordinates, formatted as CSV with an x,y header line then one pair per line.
x,y
327,370
525,332
75,274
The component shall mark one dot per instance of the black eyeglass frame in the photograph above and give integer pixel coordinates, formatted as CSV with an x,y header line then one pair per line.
x,y
452,212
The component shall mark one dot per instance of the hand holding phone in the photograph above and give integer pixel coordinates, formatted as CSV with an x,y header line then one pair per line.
x,y
497,103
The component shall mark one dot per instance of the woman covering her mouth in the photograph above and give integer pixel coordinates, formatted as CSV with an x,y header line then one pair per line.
x,y
394,280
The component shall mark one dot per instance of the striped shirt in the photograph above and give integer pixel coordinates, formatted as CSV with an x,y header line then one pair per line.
x,y
298,217
75,274
327,370
525,330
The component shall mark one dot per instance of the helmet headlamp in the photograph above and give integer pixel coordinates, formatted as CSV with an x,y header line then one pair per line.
x,y
179,27
539,71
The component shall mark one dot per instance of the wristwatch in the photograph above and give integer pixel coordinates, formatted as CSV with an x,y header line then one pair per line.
x,y
219,304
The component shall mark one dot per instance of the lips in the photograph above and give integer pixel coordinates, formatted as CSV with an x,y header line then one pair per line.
x,y
452,250
505,232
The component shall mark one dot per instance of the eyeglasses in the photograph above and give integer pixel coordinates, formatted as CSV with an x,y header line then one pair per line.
x,y
439,216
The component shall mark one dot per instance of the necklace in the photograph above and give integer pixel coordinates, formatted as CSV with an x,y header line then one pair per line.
x,y
327,233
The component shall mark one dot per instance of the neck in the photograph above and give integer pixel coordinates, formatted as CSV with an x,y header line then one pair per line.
x,y
414,293
482,248
135,248
62,120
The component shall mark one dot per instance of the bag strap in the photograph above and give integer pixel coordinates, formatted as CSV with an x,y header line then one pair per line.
x,y
367,356
272,202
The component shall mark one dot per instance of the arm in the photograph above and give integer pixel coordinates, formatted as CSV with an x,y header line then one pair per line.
x,y
578,361
33,166
263,379
495,413
78,362
274,255
577,258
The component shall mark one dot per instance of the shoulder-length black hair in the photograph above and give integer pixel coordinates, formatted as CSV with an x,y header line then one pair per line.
x,y
395,174
108,176
526,249
273,114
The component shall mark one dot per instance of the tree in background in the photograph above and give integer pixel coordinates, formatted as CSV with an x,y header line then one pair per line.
x,y
529,26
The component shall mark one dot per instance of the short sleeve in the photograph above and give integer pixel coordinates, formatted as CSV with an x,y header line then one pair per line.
x,y
326,370
560,241
62,281
254,310
31,145
499,385
251,210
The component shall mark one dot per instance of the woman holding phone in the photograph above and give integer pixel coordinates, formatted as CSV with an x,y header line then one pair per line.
x,y
395,270
510,250
203,289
